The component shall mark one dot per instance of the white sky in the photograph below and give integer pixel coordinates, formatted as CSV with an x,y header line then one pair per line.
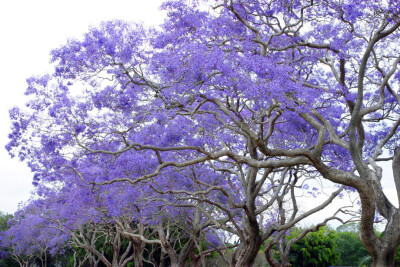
x,y
388,187
29,30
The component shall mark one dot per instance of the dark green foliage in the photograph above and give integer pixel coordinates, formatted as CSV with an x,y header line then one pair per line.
x,y
397,257
6,260
350,247
4,218
316,249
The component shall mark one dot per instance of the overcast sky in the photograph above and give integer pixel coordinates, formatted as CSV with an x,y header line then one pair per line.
x,y
29,30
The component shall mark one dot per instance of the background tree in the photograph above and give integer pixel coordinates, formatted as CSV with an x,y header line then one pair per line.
x,y
278,248
4,219
350,248
316,249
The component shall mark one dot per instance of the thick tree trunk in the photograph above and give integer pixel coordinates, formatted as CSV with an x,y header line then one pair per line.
x,y
180,259
177,263
250,243
185,253
246,253
138,259
382,250
383,260
389,243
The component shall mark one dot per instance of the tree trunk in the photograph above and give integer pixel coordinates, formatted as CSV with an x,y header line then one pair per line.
x,y
383,249
270,259
246,254
389,243
185,252
138,250
381,261
247,251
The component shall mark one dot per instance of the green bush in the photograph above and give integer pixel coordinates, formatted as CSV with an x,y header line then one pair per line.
x,y
316,249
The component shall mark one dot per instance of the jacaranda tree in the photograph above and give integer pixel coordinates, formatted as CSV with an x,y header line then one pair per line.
x,y
234,90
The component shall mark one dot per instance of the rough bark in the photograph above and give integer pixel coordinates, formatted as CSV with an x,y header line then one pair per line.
x,y
382,250
270,259
247,251
138,248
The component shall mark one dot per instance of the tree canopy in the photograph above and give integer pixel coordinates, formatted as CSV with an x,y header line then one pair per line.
x,y
219,115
